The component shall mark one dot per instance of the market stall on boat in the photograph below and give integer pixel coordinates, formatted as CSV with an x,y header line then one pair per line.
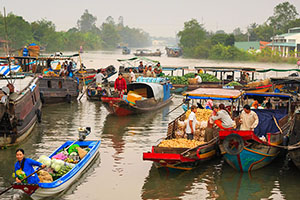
x,y
145,95
177,153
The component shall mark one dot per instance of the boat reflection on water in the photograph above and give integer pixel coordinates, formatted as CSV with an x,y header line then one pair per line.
x,y
199,183
261,184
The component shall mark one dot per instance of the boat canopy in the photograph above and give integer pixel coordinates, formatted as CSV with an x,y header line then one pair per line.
x,y
286,80
226,68
269,94
278,70
214,93
153,89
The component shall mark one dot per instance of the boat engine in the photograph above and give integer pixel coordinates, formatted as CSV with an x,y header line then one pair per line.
x,y
83,132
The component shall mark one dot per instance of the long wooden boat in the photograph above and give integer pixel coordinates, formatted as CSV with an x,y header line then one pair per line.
x,y
246,151
174,158
20,112
147,52
145,95
294,140
43,190
58,89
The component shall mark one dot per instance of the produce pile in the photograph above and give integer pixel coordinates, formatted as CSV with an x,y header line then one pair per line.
x,y
61,163
184,79
233,83
201,114
180,143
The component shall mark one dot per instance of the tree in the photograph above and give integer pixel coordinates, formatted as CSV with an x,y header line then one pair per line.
x,y
239,35
251,32
218,38
87,22
229,40
283,14
192,34
109,35
18,30
264,32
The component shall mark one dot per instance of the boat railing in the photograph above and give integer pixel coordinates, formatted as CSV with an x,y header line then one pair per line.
x,y
172,126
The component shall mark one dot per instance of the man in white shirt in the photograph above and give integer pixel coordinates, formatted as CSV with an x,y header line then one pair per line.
x,y
132,76
248,119
199,79
99,77
191,124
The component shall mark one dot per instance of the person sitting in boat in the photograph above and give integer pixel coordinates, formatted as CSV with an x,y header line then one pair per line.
x,y
191,124
158,69
210,131
23,168
248,119
145,70
150,73
141,67
209,104
99,77
132,76
120,84
63,71
223,119
58,66
25,51
70,69
198,78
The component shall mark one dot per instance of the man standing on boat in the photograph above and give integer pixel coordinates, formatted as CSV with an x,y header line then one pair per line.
x,y
99,77
120,84
141,67
191,124
248,119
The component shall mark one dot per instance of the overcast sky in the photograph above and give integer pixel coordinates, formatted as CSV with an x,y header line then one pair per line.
x,y
157,17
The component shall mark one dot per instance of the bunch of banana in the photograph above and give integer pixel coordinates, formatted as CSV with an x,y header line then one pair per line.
x,y
201,114
180,143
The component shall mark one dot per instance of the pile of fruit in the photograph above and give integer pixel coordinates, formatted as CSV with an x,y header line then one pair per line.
x,y
233,83
201,114
180,143
63,170
183,80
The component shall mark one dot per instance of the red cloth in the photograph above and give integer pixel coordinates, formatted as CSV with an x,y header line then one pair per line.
x,y
219,124
120,84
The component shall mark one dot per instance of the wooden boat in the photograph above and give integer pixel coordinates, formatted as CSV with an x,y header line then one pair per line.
x,y
147,52
43,190
20,112
145,95
180,158
184,158
294,140
173,51
125,51
246,151
58,89
179,90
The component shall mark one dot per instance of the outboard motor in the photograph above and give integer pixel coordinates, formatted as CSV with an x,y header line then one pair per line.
x,y
83,132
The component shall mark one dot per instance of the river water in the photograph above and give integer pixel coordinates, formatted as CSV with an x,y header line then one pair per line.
x,y
120,173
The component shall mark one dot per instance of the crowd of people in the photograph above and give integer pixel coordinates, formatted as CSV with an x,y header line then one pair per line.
x,y
149,71
220,119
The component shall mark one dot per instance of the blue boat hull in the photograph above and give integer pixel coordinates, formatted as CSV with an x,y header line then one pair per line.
x,y
249,159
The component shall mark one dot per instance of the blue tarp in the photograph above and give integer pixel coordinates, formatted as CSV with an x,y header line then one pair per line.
x,y
266,122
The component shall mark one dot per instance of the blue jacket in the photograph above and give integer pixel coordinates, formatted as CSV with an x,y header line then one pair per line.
x,y
28,169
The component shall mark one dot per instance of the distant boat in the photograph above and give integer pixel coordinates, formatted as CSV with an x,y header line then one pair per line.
x,y
173,51
125,51
147,52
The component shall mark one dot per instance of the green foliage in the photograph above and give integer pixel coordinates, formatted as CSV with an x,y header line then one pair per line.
x,y
110,35
87,22
18,31
192,34
283,13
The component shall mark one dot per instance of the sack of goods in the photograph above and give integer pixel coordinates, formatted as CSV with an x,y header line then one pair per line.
x,y
192,81
180,143
45,177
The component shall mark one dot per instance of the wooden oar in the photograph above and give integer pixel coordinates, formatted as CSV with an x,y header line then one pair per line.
x,y
21,180
85,90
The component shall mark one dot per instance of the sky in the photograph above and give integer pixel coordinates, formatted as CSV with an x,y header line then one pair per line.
x,y
157,17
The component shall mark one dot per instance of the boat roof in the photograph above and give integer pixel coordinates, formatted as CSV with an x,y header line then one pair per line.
x,y
278,70
268,94
174,68
157,89
286,80
214,93
19,83
226,68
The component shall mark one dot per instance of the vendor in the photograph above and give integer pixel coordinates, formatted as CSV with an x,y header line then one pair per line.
x,y
248,119
191,124
223,119
210,131
26,165
120,84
